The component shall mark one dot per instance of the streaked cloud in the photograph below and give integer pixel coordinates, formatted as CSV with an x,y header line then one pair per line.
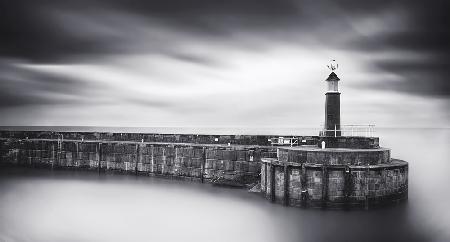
x,y
127,63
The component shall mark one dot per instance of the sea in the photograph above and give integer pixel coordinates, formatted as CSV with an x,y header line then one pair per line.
x,y
44,205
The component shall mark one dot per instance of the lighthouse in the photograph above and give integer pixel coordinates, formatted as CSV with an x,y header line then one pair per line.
x,y
332,125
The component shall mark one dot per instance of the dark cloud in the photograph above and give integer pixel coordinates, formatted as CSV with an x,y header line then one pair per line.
x,y
427,37
418,77
31,31
22,86
266,7
28,32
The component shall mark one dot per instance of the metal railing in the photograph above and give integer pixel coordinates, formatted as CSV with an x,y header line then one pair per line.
x,y
364,130
284,141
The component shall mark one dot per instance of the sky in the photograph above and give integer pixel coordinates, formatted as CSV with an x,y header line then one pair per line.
x,y
243,63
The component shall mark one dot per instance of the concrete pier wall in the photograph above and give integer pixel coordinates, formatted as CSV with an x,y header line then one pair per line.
x,y
253,140
178,160
335,156
304,175
353,142
322,185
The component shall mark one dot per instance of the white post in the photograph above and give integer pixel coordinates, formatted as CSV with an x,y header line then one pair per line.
x,y
323,144
335,130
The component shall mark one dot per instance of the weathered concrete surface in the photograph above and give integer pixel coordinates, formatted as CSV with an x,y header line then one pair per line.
x,y
334,156
258,140
296,176
353,142
205,162
323,185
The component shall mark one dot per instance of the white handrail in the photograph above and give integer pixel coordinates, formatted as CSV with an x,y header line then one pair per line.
x,y
352,130
284,141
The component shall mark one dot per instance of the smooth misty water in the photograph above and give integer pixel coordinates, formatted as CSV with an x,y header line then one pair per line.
x,y
40,205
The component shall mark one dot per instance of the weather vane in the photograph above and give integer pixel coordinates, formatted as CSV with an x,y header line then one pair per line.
x,y
333,65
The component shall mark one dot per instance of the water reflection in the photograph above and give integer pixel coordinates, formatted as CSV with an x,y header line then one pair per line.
x,y
40,205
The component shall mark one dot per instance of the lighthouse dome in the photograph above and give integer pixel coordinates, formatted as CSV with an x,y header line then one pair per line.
x,y
333,77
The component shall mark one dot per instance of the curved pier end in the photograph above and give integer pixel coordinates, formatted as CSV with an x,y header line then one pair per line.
x,y
349,172
307,176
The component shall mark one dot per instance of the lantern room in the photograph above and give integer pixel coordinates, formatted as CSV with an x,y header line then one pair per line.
x,y
333,81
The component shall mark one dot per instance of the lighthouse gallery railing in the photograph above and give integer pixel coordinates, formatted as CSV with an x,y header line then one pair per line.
x,y
362,130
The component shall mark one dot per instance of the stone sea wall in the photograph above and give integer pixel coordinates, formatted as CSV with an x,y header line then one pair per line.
x,y
354,142
252,140
335,156
334,185
303,175
205,162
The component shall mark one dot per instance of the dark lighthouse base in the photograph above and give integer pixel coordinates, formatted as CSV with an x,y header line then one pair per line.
x,y
332,114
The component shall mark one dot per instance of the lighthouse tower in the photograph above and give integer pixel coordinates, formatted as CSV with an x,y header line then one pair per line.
x,y
332,125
